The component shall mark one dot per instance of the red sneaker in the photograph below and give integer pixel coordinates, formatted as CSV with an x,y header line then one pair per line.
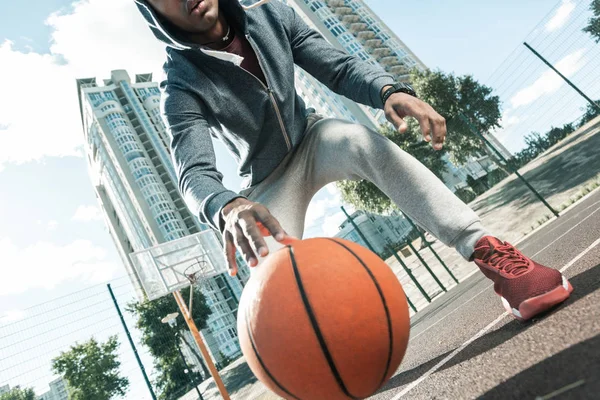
x,y
526,287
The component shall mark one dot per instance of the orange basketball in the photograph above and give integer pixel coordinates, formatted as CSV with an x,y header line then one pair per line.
x,y
323,319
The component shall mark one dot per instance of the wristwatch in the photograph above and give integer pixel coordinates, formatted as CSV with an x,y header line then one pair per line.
x,y
398,87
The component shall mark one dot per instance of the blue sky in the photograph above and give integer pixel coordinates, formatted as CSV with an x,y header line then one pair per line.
x,y
52,239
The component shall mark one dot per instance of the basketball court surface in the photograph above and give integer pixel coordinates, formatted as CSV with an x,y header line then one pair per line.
x,y
465,346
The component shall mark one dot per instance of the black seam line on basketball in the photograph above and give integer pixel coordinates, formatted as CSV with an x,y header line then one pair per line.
x,y
385,307
262,363
317,329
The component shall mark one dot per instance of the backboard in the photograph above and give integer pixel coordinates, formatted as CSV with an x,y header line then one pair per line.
x,y
167,267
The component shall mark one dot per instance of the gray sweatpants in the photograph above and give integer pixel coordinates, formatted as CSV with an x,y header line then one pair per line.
x,y
334,150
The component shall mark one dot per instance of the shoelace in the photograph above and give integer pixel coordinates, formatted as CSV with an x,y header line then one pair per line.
x,y
506,258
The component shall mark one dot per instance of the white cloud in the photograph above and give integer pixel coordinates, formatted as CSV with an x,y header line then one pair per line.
x,y
506,121
101,35
46,265
40,111
549,82
12,316
52,225
316,211
561,17
333,190
324,206
87,213
331,226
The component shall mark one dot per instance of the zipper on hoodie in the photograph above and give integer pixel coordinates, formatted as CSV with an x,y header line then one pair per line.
x,y
270,92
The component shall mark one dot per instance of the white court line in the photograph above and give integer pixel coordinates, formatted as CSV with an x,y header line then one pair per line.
x,y
449,357
481,332
560,222
561,236
474,272
450,313
583,253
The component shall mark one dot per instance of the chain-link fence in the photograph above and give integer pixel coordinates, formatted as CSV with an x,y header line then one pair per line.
x,y
43,332
548,130
548,94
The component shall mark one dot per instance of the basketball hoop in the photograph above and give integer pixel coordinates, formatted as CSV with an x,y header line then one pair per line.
x,y
177,264
195,273
172,266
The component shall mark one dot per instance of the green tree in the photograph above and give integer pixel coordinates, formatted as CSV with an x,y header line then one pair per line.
x,y
467,194
162,340
91,370
591,112
449,95
593,27
18,394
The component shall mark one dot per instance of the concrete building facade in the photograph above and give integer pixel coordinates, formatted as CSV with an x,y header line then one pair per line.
x,y
132,173
380,231
58,391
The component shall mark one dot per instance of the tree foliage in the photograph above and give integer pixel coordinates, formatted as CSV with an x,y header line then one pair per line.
x,y
162,340
451,95
18,394
536,143
593,26
91,370
591,112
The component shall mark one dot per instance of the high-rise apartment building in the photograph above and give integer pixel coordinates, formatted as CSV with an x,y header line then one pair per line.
x,y
352,26
58,391
135,183
359,31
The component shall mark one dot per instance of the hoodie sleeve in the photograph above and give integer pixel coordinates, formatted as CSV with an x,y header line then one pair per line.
x,y
342,73
200,183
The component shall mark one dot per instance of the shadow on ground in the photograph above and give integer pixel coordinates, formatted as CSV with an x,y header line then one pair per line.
x,y
565,171
236,378
448,301
575,366
584,284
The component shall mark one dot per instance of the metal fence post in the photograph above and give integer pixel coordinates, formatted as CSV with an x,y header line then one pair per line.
x,y
426,266
410,275
431,249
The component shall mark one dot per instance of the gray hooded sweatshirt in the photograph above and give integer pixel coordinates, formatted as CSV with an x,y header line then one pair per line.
x,y
206,93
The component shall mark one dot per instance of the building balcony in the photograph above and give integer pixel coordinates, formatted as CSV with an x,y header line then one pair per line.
x,y
342,10
357,27
365,35
389,60
373,43
349,19
335,3
398,69
380,52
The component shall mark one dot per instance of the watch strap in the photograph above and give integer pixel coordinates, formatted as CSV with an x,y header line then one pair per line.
x,y
395,88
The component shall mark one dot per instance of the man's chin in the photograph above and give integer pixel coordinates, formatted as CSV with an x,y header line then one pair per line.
x,y
204,23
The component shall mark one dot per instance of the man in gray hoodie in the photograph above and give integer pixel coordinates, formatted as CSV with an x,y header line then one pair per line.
x,y
230,75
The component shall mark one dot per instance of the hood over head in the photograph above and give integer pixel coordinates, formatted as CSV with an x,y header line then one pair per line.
x,y
164,32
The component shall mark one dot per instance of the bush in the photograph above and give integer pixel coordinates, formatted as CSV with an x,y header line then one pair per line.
x,y
466,194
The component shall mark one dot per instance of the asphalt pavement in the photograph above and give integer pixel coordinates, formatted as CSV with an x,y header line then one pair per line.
x,y
465,346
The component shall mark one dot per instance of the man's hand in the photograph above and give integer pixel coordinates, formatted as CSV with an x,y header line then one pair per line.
x,y
246,223
402,105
